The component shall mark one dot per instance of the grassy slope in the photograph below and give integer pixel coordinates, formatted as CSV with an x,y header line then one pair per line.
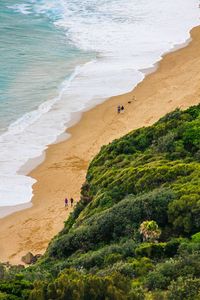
x,y
150,174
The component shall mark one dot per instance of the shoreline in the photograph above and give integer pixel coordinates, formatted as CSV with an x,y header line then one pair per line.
x,y
63,171
33,163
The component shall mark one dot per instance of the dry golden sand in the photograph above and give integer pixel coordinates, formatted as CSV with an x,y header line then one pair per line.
x,y
176,83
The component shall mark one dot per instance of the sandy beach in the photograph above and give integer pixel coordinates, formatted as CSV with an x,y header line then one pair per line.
x,y
176,83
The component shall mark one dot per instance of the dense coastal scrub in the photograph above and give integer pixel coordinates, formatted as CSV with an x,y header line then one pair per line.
x,y
135,233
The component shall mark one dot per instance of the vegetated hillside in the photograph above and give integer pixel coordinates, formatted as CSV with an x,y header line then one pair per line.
x,y
135,234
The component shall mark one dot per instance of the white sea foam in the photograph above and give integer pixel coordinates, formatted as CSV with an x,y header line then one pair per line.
x,y
127,36
26,139
22,8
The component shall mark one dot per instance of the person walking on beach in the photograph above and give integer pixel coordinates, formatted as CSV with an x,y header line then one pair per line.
x,y
66,202
72,201
118,109
122,108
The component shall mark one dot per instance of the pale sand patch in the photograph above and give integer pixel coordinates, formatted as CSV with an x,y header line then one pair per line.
x,y
176,83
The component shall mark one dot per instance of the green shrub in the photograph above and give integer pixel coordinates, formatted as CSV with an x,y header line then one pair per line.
x,y
73,285
171,247
184,289
112,258
116,222
196,237
151,250
18,289
166,272
155,280
184,213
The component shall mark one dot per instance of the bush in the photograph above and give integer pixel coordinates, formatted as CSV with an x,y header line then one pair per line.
x,y
112,258
184,289
184,214
73,285
196,238
171,248
168,271
15,289
115,223
155,280
151,250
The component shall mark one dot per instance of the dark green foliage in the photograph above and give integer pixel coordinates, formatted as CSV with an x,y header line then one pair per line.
x,y
15,289
104,256
165,273
151,250
151,174
171,248
73,285
114,223
184,289
184,213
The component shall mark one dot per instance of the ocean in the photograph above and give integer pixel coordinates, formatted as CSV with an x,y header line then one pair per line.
x,y
61,57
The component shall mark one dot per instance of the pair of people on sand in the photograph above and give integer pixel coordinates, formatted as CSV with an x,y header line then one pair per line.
x,y
67,202
120,109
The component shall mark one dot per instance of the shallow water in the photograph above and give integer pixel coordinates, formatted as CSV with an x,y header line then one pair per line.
x,y
58,57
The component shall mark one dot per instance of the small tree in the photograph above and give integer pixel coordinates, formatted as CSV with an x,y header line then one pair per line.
x,y
150,231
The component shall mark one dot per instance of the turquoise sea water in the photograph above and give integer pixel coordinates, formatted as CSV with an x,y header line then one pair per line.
x,y
35,58
60,57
